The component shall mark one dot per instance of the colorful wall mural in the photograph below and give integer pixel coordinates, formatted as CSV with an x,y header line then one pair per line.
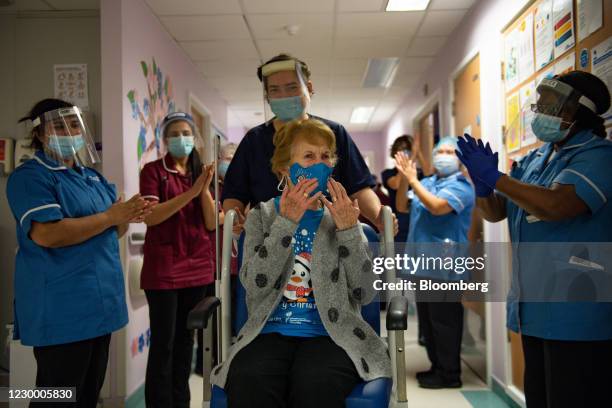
x,y
150,111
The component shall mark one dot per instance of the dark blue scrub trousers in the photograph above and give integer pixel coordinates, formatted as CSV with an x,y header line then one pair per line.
x,y
567,374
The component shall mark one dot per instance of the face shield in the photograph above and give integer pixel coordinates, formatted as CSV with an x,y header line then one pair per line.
x,y
556,98
66,137
285,91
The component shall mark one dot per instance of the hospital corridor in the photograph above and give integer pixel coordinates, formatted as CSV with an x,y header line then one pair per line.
x,y
305,204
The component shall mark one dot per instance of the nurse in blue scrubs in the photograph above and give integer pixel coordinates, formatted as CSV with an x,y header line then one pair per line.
x,y
440,215
69,290
556,194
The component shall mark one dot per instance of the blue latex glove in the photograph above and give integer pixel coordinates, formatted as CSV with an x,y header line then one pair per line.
x,y
480,161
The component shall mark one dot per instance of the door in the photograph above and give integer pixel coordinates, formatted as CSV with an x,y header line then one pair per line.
x,y
466,117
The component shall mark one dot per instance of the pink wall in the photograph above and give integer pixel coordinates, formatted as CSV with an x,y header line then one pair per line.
x,y
130,33
374,142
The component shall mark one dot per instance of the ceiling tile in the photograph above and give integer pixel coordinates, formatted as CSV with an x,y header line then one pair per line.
x,y
303,50
229,67
370,47
194,7
349,66
406,80
187,28
425,46
74,4
440,22
414,65
310,26
288,6
361,5
235,82
450,4
366,25
347,81
213,50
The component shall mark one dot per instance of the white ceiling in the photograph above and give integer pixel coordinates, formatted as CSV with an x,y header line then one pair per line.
x,y
228,39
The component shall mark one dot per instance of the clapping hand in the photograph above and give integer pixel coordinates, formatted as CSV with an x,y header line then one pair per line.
x,y
132,211
480,162
344,211
295,200
406,167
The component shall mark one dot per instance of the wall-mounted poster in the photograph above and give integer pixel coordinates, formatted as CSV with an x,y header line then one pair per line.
x,y
527,97
589,17
511,45
525,50
513,123
548,73
601,65
70,83
543,30
563,23
565,64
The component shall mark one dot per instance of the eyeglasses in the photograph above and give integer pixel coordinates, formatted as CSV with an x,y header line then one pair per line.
x,y
546,109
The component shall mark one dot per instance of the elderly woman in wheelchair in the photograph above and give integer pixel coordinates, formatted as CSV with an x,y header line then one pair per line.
x,y
306,269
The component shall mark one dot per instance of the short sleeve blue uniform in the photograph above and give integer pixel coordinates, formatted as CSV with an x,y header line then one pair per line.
x,y
427,228
454,226
584,163
71,293
250,179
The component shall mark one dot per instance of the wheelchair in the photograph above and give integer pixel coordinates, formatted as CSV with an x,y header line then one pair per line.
x,y
378,393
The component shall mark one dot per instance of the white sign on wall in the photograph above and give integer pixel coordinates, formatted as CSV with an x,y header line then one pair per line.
x,y
70,84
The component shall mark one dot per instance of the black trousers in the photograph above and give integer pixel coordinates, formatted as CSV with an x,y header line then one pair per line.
x,y
81,365
276,371
171,348
564,374
440,317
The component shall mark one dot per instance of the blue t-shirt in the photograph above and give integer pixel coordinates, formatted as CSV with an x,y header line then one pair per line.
x,y
296,314
250,178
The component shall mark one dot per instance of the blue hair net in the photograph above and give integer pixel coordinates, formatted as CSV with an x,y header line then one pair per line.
x,y
446,140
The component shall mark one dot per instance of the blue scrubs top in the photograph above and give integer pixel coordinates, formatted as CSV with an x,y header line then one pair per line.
x,y
71,293
250,179
453,227
584,163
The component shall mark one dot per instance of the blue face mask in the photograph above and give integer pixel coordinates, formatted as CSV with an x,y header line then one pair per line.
x,y
287,109
547,128
222,168
320,171
445,164
180,146
66,146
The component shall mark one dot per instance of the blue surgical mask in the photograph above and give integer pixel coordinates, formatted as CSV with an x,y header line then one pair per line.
x,y
547,128
66,146
445,164
180,146
320,171
287,109
222,168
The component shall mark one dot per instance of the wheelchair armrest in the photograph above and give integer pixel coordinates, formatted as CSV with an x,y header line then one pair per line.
x,y
397,313
198,316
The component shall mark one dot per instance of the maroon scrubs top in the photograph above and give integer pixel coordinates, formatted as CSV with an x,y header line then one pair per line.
x,y
179,252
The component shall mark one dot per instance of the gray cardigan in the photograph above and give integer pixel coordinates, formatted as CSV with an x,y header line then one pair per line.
x,y
342,278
